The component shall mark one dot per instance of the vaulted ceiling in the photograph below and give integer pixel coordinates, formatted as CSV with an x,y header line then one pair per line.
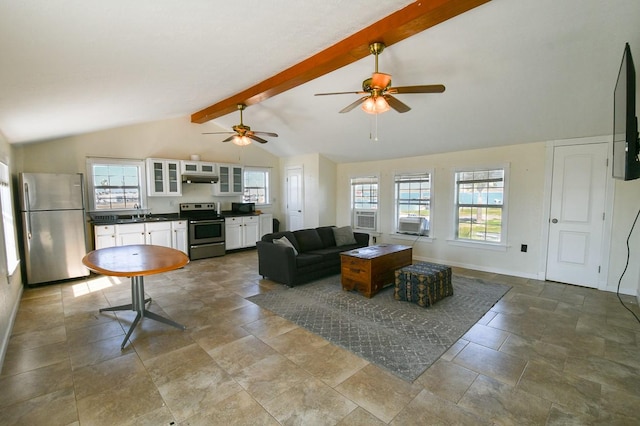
x,y
515,71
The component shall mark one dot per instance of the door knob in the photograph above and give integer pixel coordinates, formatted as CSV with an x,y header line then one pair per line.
x,y
554,220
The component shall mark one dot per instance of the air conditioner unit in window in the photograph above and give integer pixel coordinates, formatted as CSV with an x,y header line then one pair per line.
x,y
415,225
365,219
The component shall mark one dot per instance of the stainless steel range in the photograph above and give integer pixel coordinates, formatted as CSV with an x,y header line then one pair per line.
x,y
206,230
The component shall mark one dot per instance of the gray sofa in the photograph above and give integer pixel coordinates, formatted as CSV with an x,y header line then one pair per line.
x,y
311,254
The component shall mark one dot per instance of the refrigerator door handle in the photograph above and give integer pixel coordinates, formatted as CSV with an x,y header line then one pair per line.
x,y
28,209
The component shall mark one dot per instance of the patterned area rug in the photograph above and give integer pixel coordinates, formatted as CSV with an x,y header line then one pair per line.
x,y
400,337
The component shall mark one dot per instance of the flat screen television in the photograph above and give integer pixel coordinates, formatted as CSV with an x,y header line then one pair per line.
x,y
626,147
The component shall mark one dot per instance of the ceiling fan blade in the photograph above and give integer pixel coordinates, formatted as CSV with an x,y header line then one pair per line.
x,y
273,135
353,105
341,93
218,133
250,135
396,104
229,138
432,88
380,80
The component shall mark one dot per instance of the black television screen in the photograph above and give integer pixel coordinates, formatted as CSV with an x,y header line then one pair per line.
x,y
626,147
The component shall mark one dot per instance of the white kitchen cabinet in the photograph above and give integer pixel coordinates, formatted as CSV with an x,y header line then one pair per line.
x,y
197,167
232,233
129,234
229,180
163,177
104,236
180,237
251,230
158,234
266,224
241,231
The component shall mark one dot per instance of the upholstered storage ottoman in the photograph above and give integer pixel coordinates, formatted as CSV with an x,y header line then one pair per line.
x,y
423,283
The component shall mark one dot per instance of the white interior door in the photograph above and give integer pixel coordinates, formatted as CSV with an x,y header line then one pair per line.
x,y
578,192
295,199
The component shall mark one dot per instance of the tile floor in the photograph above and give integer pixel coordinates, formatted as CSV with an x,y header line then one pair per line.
x,y
547,353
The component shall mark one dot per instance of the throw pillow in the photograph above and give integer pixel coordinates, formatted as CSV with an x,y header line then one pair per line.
x,y
284,241
344,236
308,240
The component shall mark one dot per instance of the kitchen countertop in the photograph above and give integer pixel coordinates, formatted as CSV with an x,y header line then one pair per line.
x,y
117,220
160,217
229,213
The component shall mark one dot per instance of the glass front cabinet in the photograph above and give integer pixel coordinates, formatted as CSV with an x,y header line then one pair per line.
x,y
229,180
163,177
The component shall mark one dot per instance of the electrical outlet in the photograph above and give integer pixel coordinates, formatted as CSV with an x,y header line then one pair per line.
x,y
523,248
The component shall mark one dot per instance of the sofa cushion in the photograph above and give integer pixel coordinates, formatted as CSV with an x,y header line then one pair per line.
x,y
284,241
308,239
326,235
270,237
331,254
305,259
344,236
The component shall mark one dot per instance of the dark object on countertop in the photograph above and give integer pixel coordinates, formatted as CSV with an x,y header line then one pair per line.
x,y
243,208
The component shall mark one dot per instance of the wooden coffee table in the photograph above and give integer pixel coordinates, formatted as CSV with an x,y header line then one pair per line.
x,y
369,269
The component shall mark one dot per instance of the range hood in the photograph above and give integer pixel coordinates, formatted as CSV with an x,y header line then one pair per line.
x,y
199,177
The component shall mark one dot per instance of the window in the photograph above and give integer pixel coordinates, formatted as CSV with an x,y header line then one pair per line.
x,y
115,184
413,203
480,205
256,185
8,222
364,203
364,192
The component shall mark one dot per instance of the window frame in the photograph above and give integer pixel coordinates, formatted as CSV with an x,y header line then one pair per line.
x,y
10,240
496,245
267,188
374,206
406,174
92,162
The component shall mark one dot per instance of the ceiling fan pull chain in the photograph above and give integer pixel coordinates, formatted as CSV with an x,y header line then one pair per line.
x,y
373,128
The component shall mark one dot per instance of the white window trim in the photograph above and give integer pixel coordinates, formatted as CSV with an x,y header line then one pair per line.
x,y
12,256
352,201
90,161
261,169
394,225
503,244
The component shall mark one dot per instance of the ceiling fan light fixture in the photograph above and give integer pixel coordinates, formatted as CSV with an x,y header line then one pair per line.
x,y
375,105
241,140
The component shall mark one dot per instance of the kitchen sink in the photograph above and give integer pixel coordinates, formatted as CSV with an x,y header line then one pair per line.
x,y
142,219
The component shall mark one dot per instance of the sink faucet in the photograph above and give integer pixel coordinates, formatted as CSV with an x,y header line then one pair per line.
x,y
137,207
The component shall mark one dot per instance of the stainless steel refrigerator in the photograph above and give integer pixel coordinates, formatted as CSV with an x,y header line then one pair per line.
x,y
53,225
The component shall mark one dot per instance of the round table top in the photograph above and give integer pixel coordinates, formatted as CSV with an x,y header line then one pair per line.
x,y
134,260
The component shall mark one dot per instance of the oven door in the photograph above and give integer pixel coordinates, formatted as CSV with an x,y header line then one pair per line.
x,y
206,231
206,238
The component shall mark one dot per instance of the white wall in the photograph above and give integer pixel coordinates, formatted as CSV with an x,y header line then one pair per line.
x,y
626,206
11,287
327,196
176,138
525,212
525,195
319,189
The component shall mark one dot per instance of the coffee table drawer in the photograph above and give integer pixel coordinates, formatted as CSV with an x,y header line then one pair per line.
x,y
356,268
369,269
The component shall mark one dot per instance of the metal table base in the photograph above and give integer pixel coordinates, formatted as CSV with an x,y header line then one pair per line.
x,y
137,304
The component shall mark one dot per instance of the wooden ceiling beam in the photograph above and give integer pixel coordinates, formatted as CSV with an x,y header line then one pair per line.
x,y
415,18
